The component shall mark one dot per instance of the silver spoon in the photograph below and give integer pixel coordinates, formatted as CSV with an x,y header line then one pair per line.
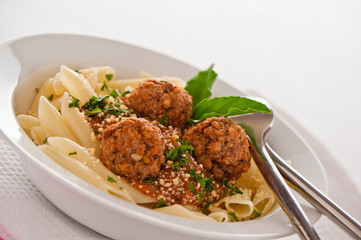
x,y
261,123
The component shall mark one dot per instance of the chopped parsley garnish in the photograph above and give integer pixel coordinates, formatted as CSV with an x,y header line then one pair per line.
x,y
115,93
256,214
94,111
115,110
233,215
51,97
191,187
176,154
163,121
45,140
73,153
112,180
109,76
36,90
201,195
125,93
205,209
95,105
233,189
205,183
104,86
148,180
159,204
75,102
77,71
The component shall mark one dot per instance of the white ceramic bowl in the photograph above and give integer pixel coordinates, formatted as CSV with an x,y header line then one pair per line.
x,y
25,63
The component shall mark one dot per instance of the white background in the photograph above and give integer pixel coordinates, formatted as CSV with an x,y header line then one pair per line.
x,y
302,56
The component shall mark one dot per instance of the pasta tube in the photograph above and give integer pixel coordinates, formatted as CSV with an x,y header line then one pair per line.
x,y
180,211
76,84
103,73
80,154
27,121
45,90
241,204
78,124
83,172
39,135
52,121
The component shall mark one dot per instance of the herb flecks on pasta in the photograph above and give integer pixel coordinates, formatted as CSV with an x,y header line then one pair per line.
x,y
156,142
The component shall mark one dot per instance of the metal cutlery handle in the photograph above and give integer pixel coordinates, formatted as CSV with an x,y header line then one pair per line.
x,y
315,197
285,197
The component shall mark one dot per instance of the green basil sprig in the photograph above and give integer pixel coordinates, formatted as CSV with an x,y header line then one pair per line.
x,y
199,87
227,106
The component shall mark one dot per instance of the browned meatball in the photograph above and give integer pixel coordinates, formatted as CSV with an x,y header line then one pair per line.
x,y
133,148
221,146
157,99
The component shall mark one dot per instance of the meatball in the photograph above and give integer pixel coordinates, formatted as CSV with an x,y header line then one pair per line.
x,y
221,146
157,99
133,148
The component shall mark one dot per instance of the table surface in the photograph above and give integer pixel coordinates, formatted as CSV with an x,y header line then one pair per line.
x,y
304,57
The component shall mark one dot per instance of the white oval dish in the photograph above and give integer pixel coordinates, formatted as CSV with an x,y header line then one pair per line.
x,y
28,61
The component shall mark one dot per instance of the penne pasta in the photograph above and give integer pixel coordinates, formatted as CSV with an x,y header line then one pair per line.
x,y
27,121
76,84
78,124
46,90
105,73
264,199
220,216
73,166
67,147
57,102
92,78
241,204
83,172
51,120
39,135
251,179
180,211
59,88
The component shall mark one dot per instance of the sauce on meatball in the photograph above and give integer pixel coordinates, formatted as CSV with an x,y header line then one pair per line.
x,y
139,150
221,146
133,148
178,186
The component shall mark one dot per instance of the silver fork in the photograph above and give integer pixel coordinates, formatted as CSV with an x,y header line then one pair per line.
x,y
315,197
257,126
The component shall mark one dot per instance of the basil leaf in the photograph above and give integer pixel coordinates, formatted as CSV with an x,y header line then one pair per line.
x,y
199,87
227,106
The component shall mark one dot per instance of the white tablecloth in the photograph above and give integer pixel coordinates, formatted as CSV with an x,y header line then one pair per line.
x,y
304,57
